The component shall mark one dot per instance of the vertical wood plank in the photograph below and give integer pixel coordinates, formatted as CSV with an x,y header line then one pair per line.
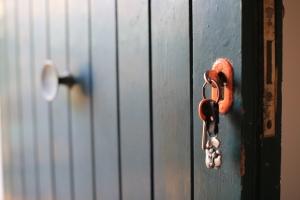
x,y
6,145
81,128
217,33
14,116
41,106
252,72
133,48
104,77
171,99
27,107
58,53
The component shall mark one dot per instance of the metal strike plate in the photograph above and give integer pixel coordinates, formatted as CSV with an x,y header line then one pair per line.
x,y
270,70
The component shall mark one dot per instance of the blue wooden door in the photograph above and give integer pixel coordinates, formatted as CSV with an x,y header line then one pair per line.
x,y
129,127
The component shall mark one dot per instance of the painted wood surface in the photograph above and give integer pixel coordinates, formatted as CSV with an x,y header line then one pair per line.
x,y
13,105
104,96
213,37
26,83
58,52
133,74
5,135
38,14
171,99
80,100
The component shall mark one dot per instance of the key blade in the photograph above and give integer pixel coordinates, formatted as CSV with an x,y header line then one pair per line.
x,y
215,142
204,135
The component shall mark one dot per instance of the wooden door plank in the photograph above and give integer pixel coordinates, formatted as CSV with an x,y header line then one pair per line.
x,y
171,99
14,112
5,136
104,81
252,72
27,107
134,99
44,157
217,34
81,122
58,53
6,146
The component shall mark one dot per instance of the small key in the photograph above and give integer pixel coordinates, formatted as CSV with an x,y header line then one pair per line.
x,y
209,160
204,135
208,112
218,160
211,110
213,158
213,142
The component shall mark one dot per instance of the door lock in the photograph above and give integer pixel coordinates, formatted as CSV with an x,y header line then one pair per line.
x,y
221,80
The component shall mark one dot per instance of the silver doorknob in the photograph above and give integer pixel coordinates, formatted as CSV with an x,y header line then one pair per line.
x,y
51,80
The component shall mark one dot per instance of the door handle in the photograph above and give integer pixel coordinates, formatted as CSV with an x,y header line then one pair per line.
x,y
50,80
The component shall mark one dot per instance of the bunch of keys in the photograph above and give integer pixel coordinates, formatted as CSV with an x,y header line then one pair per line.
x,y
208,111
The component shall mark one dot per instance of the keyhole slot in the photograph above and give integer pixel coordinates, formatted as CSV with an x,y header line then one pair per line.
x,y
225,74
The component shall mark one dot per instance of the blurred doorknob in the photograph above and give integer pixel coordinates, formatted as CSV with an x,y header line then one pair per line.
x,y
51,80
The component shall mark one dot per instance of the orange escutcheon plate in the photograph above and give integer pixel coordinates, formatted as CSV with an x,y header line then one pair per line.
x,y
223,65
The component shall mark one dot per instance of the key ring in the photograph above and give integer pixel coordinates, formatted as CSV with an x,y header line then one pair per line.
x,y
203,89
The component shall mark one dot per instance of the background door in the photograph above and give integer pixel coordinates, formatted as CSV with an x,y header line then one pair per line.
x,y
129,128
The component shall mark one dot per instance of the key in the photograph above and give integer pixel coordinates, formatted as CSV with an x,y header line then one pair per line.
x,y
211,111
209,160
218,159
203,106
213,142
208,111
204,135
213,158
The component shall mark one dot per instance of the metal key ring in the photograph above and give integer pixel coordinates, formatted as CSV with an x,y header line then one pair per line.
x,y
203,89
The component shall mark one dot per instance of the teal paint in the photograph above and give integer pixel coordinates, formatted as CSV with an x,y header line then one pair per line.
x,y
217,34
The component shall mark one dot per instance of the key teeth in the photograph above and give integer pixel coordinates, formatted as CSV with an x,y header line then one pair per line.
x,y
218,161
213,142
209,144
213,158
208,158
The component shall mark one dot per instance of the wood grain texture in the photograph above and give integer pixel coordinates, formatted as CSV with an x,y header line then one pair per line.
x,y
217,34
59,54
5,136
80,95
133,48
41,106
171,99
14,99
104,81
25,67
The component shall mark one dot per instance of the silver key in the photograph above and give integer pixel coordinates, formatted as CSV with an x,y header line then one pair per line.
x,y
213,142
204,135
218,159
213,158
208,159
